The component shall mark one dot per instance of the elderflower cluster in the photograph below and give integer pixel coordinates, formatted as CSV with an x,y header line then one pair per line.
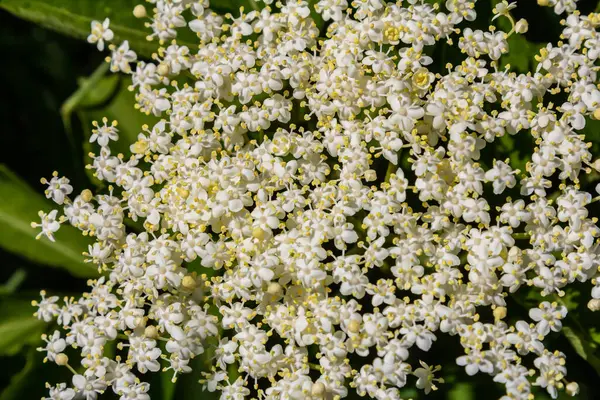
x,y
316,206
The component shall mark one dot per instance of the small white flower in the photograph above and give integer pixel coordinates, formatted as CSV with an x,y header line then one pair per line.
x,y
100,33
49,224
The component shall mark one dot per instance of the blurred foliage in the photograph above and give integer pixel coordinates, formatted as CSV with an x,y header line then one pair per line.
x,y
54,86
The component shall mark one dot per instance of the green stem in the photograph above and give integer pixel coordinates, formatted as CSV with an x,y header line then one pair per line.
x,y
314,366
388,173
72,103
512,22
254,5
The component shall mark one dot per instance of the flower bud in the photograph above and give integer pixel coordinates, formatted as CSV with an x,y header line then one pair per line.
x,y
189,282
370,175
274,289
258,233
61,359
163,69
521,26
543,3
318,389
572,389
139,11
139,147
87,195
597,113
594,304
499,313
151,332
354,326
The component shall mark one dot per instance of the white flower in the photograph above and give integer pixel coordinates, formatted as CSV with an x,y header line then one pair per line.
x,y
54,345
548,317
425,377
476,361
121,57
49,224
105,133
88,387
60,392
100,33
58,189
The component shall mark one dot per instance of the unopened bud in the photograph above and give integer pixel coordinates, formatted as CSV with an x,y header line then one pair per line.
x,y
189,282
597,113
274,289
163,69
258,233
61,359
521,26
139,147
499,313
151,332
354,326
318,389
87,195
139,11
370,175
572,389
184,193
594,304
543,3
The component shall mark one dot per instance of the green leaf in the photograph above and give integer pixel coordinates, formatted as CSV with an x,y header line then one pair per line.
x,y
13,283
461,391
233,6
18,326
15,333
316,17
19,205
581,347
188,387
167,386
118,105
74,17
83,96
19,381
521,52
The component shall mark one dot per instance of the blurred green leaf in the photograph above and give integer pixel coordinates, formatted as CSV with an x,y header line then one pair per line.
x,y
167,386
118,105
188,387
19,205
521,54
233,6
16,333
18,326
513,145
316,17
87,94
22,379
13,283
74,17
461,391
581,347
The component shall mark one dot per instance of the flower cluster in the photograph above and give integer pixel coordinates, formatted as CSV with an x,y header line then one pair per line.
x,y
315,207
